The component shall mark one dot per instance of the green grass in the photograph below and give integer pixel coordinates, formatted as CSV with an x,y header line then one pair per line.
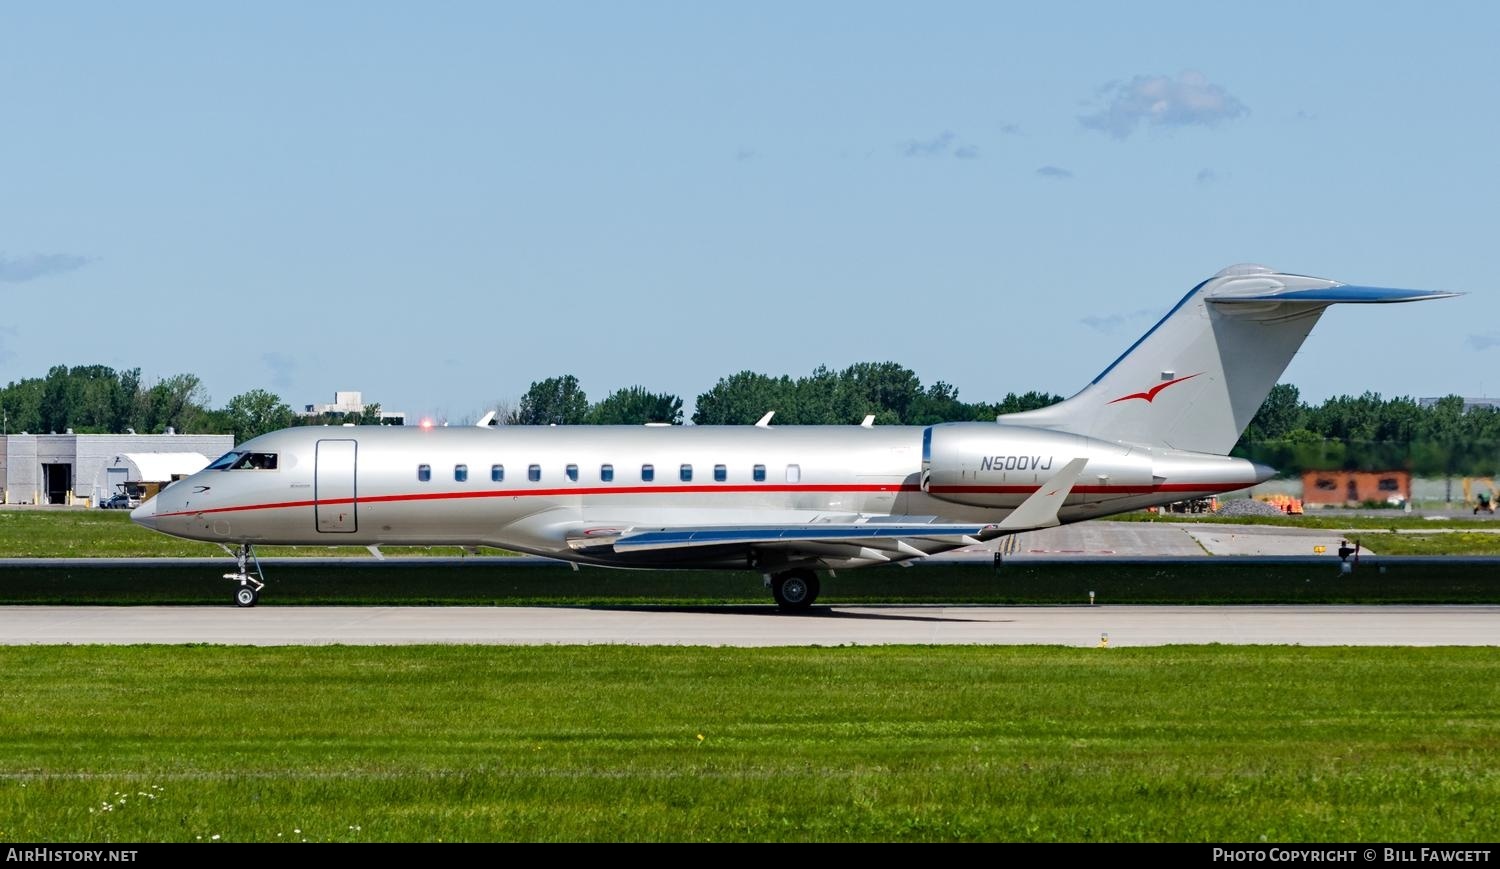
x,y
60,533
1333,521
697,744
1453,543
482,582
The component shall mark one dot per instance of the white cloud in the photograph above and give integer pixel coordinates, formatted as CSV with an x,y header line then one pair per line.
x,y
941,145
1162,101
283,369
24,268
937,146
1111,323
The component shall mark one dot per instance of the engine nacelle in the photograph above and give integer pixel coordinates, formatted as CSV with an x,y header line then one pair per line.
x,y
992,465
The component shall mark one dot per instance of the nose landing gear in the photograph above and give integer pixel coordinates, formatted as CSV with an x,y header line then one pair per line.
x,y
248,575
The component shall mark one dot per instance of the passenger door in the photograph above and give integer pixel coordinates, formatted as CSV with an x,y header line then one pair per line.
x,y
333,489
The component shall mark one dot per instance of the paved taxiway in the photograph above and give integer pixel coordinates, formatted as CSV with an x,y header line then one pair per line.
x,y
758,626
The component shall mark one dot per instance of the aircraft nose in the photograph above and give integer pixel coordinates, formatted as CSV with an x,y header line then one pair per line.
x,y
145,515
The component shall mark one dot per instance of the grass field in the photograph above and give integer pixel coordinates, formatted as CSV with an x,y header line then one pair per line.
x,y
1335,520
647,744
58,533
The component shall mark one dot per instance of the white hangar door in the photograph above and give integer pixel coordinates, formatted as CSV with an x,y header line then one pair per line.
x,y
333,489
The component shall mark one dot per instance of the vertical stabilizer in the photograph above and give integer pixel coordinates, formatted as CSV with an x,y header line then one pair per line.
x,y
1195,380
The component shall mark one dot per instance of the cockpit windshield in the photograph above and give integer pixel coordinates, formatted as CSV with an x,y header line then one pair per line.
x,y
239,461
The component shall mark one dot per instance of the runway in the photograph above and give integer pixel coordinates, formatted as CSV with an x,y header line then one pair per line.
x,y
756,626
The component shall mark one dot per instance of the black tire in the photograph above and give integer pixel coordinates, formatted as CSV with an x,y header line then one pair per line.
x,y
246,596
795,590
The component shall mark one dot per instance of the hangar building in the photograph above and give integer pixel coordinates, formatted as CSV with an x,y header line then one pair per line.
x,y
85,468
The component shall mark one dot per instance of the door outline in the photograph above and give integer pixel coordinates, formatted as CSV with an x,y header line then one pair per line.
x,y
334,481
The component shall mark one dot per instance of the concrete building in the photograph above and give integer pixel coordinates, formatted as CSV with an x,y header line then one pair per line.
x,y
85,468
1469,403
1352,488
353,404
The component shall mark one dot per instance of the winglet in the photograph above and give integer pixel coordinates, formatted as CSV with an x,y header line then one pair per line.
x,y
765,421
484,421
1040,510
869,421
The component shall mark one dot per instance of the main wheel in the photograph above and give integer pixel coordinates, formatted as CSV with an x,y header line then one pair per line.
x,y
795,590
246,595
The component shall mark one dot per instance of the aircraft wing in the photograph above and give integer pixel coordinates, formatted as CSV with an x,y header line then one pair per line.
x,y
877,534
871,541
833,544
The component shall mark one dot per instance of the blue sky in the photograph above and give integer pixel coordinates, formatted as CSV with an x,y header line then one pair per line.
x,y
437,204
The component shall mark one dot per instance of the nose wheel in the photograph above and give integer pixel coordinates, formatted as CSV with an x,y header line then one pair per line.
x,y
247,573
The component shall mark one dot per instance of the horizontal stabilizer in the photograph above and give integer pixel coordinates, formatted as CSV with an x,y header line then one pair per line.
x,y
1040,510
1338,294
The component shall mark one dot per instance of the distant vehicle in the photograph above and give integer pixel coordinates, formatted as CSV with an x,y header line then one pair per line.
x,y
131,495
1155,427
120,501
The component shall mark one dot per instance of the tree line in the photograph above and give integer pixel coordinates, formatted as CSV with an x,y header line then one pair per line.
x,y
97,399
1368,432
892,394
1363,432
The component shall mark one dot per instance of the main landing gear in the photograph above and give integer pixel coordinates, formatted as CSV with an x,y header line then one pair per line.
x,y
247,574
794,590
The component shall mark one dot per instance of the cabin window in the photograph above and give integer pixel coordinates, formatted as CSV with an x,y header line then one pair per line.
x,y
255,462
534,473
793,473
721,473
648,473
573,473
461,473
497,473
607,473
685,473
759,473
424,473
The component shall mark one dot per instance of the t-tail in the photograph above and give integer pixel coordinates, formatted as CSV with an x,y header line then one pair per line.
x,y
1195,380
